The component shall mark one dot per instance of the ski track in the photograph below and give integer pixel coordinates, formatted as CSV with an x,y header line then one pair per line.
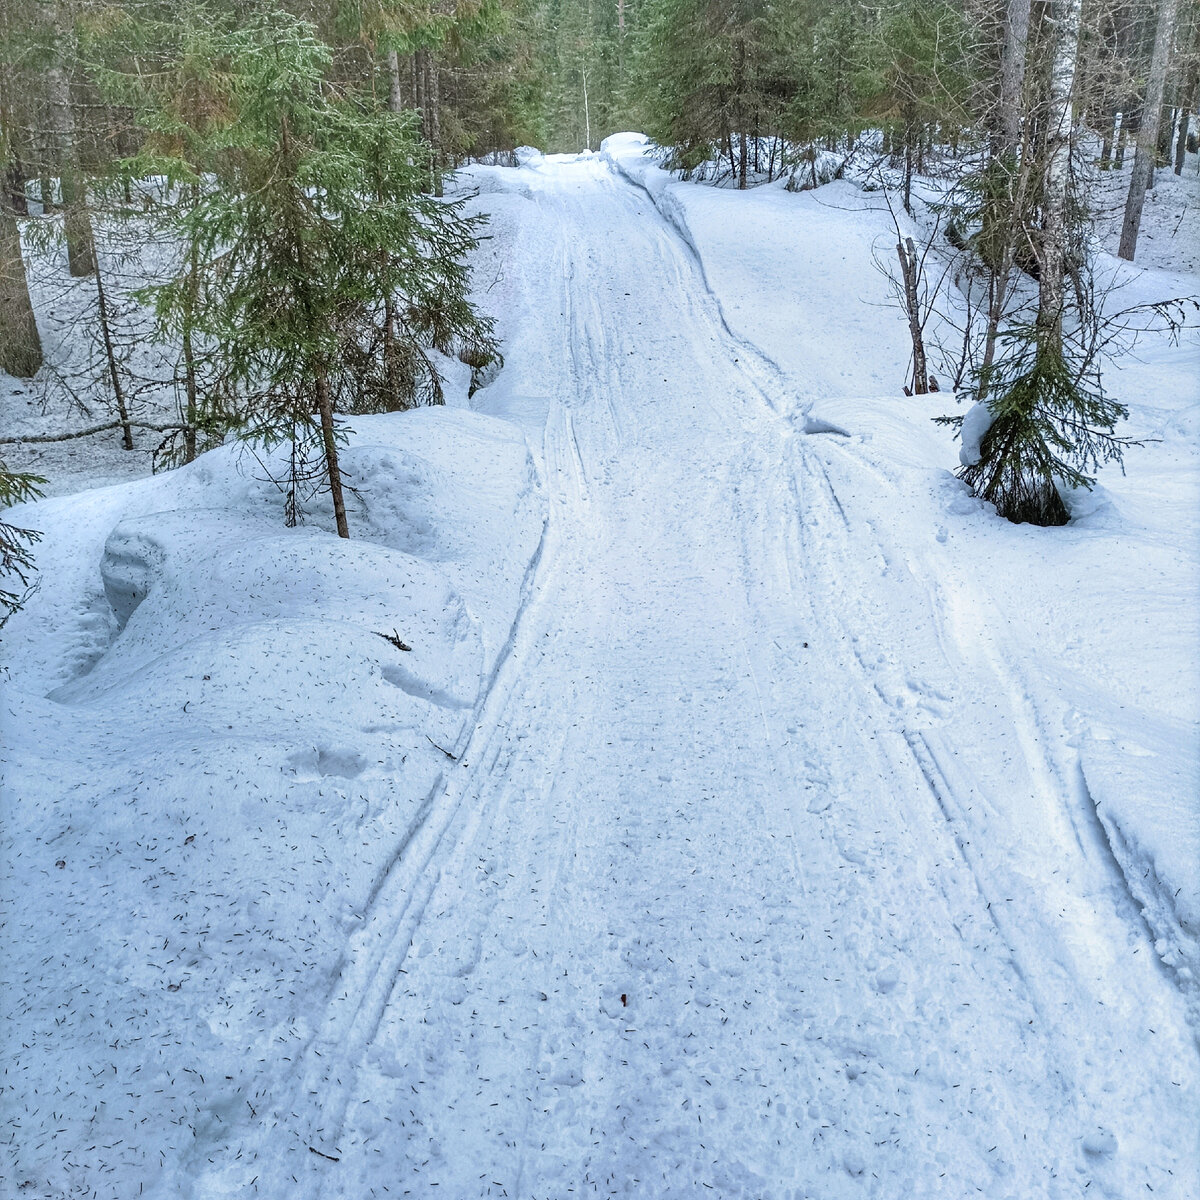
x,y
757,877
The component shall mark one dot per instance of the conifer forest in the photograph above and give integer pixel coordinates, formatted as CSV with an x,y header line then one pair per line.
x,y
600,598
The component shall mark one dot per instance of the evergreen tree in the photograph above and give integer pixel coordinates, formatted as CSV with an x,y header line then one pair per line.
x,y
16,555
917,75
20,343
315,267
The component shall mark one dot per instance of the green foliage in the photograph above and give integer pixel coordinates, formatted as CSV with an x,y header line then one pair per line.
x,y
499,81
916,64
684,78
16,556
314,266
826,72
1052,428
805,70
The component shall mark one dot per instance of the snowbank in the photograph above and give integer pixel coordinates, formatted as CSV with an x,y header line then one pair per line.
x,y
213,752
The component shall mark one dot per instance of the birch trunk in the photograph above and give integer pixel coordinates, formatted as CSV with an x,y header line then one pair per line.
x,y
909,266
1147,135
587,112
1057,175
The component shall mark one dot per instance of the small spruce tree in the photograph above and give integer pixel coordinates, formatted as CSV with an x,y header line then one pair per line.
x,y
16,542
315,267
1050,424
1051,427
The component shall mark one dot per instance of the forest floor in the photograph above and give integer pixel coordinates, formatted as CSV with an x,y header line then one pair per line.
x,y
749,811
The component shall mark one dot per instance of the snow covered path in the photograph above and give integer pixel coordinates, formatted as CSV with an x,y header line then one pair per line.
x,y
757,877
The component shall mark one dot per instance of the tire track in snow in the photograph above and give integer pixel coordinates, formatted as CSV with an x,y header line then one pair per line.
x,y
328,1061
708,794
1052,953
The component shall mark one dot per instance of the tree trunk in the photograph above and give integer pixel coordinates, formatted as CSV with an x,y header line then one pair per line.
x,y
394,400
1147,139
192,411
739,112
998,218
909,267
621,39
1106,146
191,415
997,299
1187,102
1166,138
395,88
433,103
418,91
14,183
329,439
1056,179
1181,141
110,358
46,193
909,133
77,224
20,344
1012,74
587,112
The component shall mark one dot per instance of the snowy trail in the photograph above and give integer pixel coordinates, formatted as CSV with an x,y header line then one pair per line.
x,y
759,876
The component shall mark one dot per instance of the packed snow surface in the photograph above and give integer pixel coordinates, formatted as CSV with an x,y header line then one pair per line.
x,y
748,812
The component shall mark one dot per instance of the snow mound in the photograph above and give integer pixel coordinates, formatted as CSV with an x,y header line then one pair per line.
x,y
529,156
245,726
174,575
977,421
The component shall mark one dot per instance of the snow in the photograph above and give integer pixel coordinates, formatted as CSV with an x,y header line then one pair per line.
x,y
1098,618
751,813
976,422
